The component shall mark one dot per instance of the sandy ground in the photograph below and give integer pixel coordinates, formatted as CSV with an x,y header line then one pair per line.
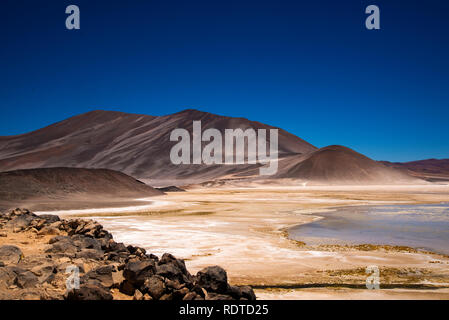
x,y
243,230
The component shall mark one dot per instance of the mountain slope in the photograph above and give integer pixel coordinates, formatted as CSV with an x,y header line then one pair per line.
x,y
138,145
51,183
430,169
338,164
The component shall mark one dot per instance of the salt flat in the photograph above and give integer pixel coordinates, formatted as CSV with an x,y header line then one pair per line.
x,y
243,230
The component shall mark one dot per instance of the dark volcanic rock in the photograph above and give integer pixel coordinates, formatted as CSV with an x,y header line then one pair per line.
x,y
89,292
21,221
136,272
154,286
213,279
45,272
127,288
112,265
117,247
49,218
64,245
173,269
10,254
7,278
84,242
248,293
101,275
90,254
26,279
235,292
49,230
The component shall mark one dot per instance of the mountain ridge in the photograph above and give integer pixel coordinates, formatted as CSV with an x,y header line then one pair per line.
x,y
138,145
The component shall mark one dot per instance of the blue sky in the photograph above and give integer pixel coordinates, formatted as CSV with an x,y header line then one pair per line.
x,y
310,68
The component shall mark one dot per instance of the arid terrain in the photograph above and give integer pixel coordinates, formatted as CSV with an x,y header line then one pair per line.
x,y
139,145
227,215
67,187
48,258
244,229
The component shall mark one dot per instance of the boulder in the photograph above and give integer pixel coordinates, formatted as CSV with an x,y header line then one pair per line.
x,y
10,254
49,230
89,292
213,279
154,286
83,242
64,245
117,279
59,238
167,258
90,254
101,275
37,224
138,271
18,212
45,272
88,228
26,279
49,218
248,293
152,257
116,247
173,284
172,271
235,292
136,250
7,278
20,222
127,288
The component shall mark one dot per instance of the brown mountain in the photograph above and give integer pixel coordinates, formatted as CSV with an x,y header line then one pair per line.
x,y
138,145
340,165
430,169
49,184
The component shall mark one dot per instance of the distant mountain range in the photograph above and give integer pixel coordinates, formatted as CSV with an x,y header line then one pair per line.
x,y
430,169
139,145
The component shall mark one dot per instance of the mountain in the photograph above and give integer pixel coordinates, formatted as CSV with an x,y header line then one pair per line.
x,y
138,145
53,183
430,169
340,165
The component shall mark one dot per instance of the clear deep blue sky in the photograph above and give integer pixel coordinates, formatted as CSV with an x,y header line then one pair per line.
x,y
309,67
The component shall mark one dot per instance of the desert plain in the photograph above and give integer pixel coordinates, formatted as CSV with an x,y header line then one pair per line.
x,y
244,229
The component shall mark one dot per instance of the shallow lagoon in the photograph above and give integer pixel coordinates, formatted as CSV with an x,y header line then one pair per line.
x,y
418,226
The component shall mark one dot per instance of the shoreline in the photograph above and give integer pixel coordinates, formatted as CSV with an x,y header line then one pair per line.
x,y
338,215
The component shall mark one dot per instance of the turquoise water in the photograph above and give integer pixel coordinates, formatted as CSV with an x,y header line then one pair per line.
x,y
418,226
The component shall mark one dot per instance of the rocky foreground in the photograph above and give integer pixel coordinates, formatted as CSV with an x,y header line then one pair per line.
x,y
38,256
